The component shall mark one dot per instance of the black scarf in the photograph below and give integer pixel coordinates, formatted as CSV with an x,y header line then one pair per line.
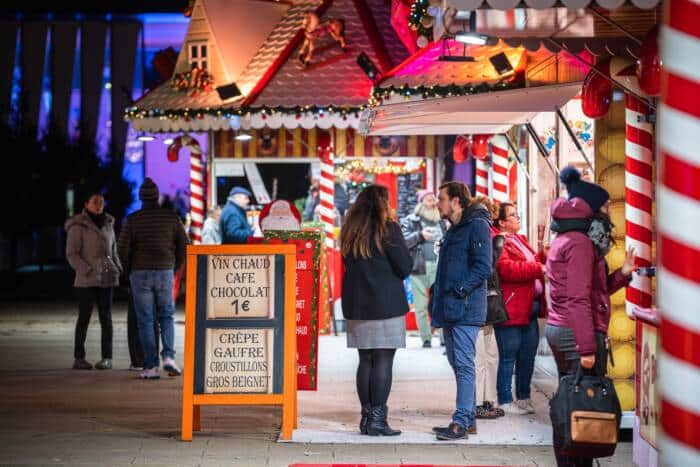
x,y
568,225
98,219
598,229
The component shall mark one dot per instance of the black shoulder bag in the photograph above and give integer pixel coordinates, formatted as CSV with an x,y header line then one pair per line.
x,y
585,414
496,312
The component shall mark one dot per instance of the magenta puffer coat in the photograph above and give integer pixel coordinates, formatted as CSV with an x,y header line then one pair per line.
x,y
579,283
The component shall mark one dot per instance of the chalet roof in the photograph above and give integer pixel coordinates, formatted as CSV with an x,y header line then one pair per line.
x,y
273,79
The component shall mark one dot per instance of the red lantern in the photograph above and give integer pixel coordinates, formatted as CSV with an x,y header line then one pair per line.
x,y
460,150
597,92
480,146
173,153
649,64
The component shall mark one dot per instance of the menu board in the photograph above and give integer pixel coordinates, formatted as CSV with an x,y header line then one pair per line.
x,y
239,324
408,186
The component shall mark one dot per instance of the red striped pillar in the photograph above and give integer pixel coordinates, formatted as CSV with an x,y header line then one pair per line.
x,y
482,178
638,197
499,150
327,192
679,233
197,198
196,188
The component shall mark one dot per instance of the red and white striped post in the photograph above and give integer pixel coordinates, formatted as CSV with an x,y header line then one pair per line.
x,y
679,234
197,199
482,177
326,195
499,159
639,196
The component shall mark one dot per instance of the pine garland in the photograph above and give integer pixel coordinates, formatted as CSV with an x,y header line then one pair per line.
x,y
450,90
136,113
419,10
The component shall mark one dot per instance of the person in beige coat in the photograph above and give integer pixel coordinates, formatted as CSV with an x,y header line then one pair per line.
x,y
91,251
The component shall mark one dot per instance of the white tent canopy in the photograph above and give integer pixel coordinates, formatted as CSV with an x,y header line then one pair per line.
x,y
489,112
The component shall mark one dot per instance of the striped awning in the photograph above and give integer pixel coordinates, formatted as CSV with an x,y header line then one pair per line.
x,y
303,143
543,4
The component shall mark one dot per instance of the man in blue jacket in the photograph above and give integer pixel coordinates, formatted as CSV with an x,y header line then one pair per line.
x,y
234,222
458,298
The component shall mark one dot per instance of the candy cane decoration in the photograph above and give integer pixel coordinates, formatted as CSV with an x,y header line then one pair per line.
x,y
679,234
638,197
196,182
482,178
499,159
327,192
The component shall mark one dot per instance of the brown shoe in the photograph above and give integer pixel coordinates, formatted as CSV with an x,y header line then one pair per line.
x,y
471,430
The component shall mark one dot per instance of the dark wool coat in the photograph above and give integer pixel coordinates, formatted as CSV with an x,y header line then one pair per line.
x,y
373,287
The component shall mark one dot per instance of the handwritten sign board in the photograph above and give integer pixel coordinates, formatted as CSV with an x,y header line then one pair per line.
x,y
240,286
240,341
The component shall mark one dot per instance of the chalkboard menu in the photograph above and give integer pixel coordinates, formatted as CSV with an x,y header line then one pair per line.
x,y
238,335
239,330
407,187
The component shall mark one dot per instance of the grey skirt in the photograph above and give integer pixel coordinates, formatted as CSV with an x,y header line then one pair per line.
x,y
376,333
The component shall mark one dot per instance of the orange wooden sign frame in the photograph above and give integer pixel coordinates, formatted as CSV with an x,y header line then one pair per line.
x,y
192,402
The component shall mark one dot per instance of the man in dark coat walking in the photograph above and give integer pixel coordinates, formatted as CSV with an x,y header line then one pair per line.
x,y
234,222
151,247
458,298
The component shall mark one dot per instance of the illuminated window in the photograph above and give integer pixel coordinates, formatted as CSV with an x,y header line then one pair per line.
x,y
198,54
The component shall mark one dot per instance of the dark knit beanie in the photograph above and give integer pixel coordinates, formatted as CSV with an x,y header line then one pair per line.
x,y
594,195
148,190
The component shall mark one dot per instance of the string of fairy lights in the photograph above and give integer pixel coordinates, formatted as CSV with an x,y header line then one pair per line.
x,y
426,92
345,169
136,113
418,18
378,95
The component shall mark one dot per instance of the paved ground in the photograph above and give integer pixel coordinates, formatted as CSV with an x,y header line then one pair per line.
x,y
52,415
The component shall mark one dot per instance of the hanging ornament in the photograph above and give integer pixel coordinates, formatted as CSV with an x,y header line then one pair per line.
x,y
480,146
460,150
649,64
597,92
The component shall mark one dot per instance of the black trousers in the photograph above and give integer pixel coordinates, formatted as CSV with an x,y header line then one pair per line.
x,y
561,341
132,335
87,297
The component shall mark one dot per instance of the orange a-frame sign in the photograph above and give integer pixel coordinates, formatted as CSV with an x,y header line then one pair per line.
x,y
240,341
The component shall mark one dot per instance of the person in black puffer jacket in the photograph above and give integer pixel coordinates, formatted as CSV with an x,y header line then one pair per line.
x,y
152,246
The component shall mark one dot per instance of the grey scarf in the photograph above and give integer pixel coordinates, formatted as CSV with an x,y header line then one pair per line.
x,y
600,233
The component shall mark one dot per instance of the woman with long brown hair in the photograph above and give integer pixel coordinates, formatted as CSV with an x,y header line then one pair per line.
x,y
376,262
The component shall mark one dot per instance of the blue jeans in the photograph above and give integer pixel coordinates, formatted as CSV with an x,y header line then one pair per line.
x,y
152,291
517,346
460,347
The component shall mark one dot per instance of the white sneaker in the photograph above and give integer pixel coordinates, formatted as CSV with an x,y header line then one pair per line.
x,y
171,367
512,409
150,373
526,405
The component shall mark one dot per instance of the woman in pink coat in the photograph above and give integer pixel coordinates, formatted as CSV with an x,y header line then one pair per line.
x,y
580,284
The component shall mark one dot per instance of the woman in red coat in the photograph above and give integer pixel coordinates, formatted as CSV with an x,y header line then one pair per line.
x,y
520,272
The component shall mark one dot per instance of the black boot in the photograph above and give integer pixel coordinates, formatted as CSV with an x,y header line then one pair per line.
x,y
365,416
377,425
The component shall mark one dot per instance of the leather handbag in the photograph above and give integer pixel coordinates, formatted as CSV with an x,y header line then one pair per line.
x,y
586,414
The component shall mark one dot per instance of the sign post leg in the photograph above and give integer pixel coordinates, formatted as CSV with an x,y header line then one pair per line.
x,y
187,412
196,419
